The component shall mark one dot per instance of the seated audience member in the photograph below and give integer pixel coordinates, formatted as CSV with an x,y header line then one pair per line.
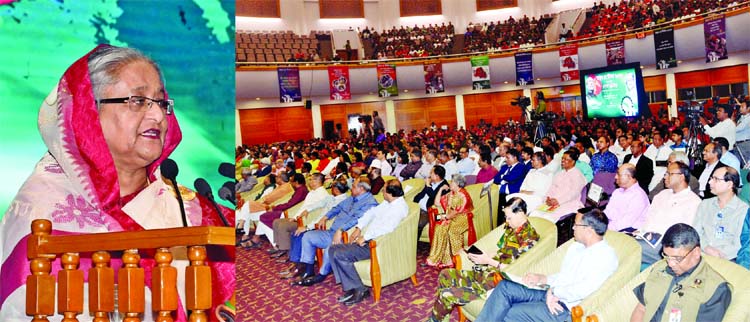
x,y
627,206
720,219
376,180
335,159
339,189
682,287
378,221
266,219
644,167
674,157
346,215
402,160
526,153
675,204
269,184
678,144
603,160
486,170
248,181
317,198
410,170
265,167
510,177
252,210
588,263
727,158
621,148
659,153
430,160
452,223
426,197
465,165
385,167
536,183
448,161
564,194
459,287
711,154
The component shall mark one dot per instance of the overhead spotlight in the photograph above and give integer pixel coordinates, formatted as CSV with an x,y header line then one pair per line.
x,y
642,67
257,98
505,82
679,62
406,91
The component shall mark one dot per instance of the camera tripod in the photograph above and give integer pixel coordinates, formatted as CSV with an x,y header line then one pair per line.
x,y
694,146
540,131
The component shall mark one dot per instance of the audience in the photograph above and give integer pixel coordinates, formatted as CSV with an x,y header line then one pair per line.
x,y
451,223
644,167
564,194
627,206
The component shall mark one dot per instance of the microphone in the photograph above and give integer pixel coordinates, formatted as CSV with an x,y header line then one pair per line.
x,y
170,170
227,192
202,187
227,169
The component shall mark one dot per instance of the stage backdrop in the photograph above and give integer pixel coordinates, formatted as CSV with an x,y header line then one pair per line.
x,y
193,42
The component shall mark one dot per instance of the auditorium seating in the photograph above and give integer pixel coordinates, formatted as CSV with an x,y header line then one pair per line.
x,y
407,41
507,34
254,46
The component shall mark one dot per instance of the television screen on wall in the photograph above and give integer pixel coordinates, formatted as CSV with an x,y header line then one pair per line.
x,y
613,92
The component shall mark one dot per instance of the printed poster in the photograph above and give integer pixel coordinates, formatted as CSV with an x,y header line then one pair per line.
x,y
664,45
289,88
480,72
433,78
338,81
715,33
569,62
387,85
524,69
615,51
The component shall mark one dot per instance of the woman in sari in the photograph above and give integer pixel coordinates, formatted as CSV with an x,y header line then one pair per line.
x,y
108,125
452,223
459,287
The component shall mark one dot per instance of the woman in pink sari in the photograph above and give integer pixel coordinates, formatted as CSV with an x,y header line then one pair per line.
x,y
108,125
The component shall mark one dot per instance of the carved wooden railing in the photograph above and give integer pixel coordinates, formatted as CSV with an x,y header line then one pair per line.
x,y
43,248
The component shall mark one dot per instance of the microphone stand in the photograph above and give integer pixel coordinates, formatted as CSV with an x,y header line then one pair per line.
x,y
179,201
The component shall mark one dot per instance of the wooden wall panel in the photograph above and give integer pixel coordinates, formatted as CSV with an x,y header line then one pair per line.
x,y
417,114
338,113
341,8
716,76
655,83
258,8
495,4
267,125
493,108
419,7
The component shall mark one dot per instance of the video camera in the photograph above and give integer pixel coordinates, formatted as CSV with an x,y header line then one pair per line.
x,y
522,102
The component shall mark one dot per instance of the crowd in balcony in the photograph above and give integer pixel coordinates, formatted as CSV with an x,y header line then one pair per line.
x,y
407,42
508,34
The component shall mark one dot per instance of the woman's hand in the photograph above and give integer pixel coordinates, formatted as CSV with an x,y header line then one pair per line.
x,y
482,259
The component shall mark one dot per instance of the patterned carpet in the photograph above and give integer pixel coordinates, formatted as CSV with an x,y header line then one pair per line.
x,y
262,296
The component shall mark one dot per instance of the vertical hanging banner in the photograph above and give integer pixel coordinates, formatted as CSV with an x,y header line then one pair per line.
x,y
338,80
524,69
289,88
664,45
387,85
615,51
715,33
433,78
480,72
569,62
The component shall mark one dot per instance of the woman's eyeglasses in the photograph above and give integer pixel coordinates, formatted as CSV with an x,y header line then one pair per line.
x,y
140,103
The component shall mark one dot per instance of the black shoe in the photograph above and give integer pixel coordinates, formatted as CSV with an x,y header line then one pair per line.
x,y
310,281
282,260
346,296
359,296
278,254
272,250
301,279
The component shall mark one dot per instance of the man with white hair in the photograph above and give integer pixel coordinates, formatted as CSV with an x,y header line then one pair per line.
x,y
265,167
248,181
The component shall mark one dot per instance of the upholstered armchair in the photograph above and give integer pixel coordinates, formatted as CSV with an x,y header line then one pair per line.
x,y
393,257
411,188
620,304
488,244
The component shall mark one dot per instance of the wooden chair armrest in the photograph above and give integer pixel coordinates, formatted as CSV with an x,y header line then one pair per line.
x,y
472,231
576,313
300,224
375,277
286,213
345,237
497,277
431,213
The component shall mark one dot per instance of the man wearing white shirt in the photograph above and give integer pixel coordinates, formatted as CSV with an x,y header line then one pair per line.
x,y
725,128
375,222
588,263
621,148
446,159
711,154
659,153
333,163
430,160
742,134
466,165
385,167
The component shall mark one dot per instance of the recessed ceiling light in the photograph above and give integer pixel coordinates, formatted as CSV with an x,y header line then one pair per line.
x,y
679,62
505,82
257,98
371,93
406,91
642,67
538,79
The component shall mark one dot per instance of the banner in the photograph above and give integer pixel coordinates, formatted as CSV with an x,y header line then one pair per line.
x,y
715,33
433,78
569,62
664,45
524,69
338,80
289,90
480,72
615,50
387,85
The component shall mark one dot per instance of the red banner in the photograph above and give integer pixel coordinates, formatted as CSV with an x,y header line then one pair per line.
x,y
338,81
569,62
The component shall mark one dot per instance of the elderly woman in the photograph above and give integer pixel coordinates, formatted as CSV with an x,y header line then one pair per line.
x,y
452,223
564,194
459,287
108,125
536,183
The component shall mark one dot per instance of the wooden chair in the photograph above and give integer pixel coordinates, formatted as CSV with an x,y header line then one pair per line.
x,y
43,248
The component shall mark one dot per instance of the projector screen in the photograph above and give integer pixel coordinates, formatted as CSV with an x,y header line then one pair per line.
x,y
613,92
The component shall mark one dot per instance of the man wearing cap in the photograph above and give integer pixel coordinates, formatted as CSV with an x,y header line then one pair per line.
x,y
376,180
248,180
265,168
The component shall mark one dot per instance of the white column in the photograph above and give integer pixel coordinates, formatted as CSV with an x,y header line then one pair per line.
x,y
460,117
390,117
317,121
237,131
671,94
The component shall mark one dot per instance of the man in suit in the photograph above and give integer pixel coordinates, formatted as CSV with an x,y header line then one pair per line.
x,y
509,178
644,167
711,154
426,197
